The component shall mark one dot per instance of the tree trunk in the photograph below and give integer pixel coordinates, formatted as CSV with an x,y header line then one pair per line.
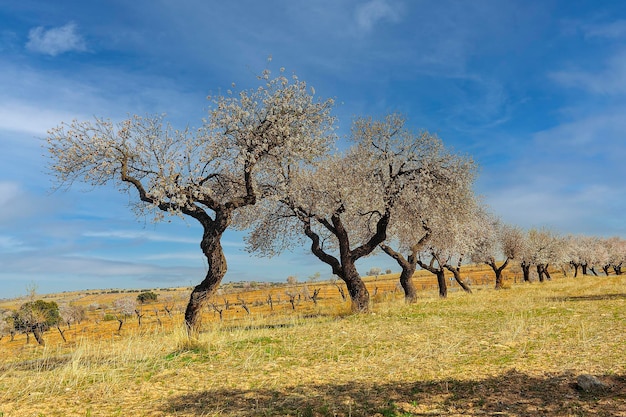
x,y
406,276
439,273
593,270
584,268
441,282
38,336
456,272
498,271
540,272
525,271
359,295
617,269
406,281
62,333
212,249
576,266
457,278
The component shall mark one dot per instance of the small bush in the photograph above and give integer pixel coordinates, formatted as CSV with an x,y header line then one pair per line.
x,y
147,296
108,317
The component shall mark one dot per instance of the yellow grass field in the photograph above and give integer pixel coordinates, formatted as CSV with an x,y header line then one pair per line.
x,y
513,352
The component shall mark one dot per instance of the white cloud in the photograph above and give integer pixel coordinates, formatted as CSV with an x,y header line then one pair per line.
x,y
16,203
11,244
375,11
609,81
588,134
55,41
32,119
154,237
613,30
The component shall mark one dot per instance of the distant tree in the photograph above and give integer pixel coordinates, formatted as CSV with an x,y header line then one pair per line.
x,y
6,323
36,317
124,308
576,250
314,278
541,248
168,304
244,304
315,296
72,313
496,241
616,251
146,297
342,292
374,271
243,145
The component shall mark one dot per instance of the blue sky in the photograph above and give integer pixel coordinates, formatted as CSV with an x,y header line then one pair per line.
x,y
534,91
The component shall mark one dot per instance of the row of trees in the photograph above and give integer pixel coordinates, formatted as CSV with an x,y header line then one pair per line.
x,y
496,245
264,161
38,316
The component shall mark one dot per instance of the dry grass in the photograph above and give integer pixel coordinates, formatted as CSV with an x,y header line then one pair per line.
x,y
514,352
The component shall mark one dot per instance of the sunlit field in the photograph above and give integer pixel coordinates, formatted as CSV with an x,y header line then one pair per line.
x,y
512,352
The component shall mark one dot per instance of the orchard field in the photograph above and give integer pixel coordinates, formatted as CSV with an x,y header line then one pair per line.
x,y
518,351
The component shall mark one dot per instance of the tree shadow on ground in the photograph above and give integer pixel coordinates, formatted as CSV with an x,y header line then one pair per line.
x,y
510,394
600,297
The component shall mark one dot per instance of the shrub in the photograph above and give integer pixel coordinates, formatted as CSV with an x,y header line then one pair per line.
x,y
146,296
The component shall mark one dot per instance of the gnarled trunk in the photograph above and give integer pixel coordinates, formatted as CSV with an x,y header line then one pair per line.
x,y
456,272
439,272
525,271
212,248
406,276
406,281
540,272
498,271
38,333
359,295
441,282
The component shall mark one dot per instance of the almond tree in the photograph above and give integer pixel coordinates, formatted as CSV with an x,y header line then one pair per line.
x,y
616,249
440,208
344,206
447,250
585,252
206,174
541,248
5,326
575,253
497,241
124,308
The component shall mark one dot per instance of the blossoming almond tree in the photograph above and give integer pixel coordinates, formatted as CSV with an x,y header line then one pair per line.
x,y
497,240
344,205
207,174
436,211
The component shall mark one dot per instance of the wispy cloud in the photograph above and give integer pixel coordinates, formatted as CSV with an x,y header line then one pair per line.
x,y
32,119
375,11
9,244
612,30
610,80
136,235
55,41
